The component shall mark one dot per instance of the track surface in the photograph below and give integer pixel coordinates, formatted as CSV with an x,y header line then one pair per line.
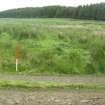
x,y
53,97
19,97
68,79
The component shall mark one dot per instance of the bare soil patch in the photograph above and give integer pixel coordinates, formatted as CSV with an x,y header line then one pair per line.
x,y
48,97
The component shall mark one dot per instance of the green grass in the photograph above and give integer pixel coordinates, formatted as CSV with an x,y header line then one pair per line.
x,y
53,46
46,85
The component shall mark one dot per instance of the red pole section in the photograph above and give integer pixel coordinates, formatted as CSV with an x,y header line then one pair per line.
x,y
17,51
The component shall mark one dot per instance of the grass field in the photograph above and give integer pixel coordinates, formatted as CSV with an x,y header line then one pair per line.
x,y
53,46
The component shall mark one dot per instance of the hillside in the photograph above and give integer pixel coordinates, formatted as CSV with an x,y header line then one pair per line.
x,y
93,11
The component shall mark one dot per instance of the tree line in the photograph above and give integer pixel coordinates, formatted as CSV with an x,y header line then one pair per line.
x,y
93,11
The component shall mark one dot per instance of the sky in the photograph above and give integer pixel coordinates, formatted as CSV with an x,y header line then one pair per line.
x,y
10,4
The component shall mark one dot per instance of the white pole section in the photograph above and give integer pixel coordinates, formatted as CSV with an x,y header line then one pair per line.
x,y
16,65
17,56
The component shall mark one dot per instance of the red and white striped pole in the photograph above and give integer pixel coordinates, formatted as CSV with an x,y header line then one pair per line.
x,y
17,56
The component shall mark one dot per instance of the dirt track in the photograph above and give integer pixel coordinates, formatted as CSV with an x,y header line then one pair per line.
x,y
19,97
56,96
91,79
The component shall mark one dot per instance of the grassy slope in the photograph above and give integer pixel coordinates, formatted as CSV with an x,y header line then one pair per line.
x,y
52,46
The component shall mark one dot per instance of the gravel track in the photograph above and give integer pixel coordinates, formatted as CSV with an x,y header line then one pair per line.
x,y
21,97
54,96
88,79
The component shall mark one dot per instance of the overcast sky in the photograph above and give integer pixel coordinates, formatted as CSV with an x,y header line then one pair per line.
x,y
9,4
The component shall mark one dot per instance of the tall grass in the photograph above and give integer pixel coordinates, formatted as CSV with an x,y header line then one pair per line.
x,y
55,46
